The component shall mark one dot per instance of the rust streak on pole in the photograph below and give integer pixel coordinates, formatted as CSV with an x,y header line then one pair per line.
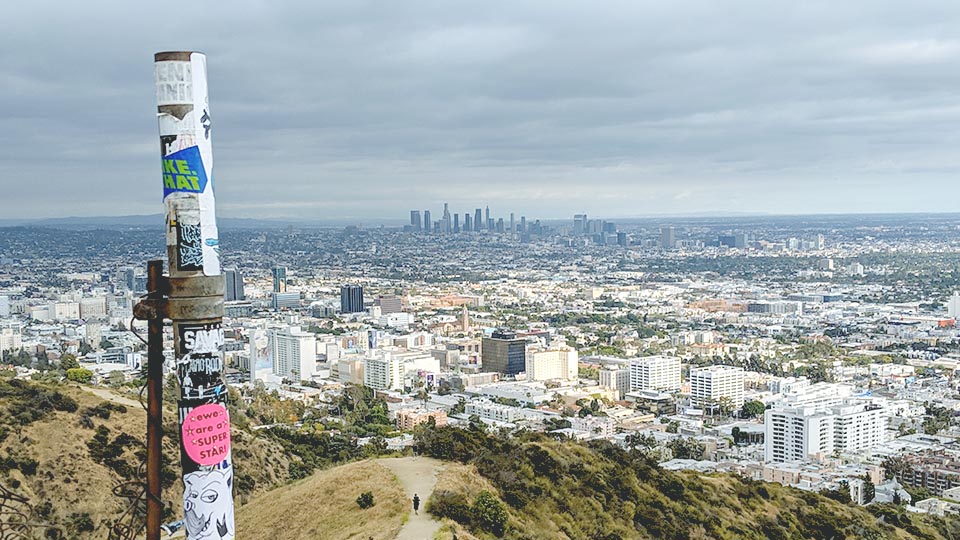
x,y
154,404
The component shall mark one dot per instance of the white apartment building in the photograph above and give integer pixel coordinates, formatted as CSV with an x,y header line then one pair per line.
x,y
821,394
859,425
489,410
800,433
294,353
10,338
655,373
711,384
552,364
615,379
383,370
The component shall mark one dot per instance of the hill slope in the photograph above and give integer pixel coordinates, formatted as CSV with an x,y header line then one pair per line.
x,y
324,507
64,450
596,491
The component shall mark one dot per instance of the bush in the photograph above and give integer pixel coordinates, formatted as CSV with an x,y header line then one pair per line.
x,y
79,375
489,513
451,505
365,500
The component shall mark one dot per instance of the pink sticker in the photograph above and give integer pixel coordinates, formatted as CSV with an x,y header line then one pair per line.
x,y
206,434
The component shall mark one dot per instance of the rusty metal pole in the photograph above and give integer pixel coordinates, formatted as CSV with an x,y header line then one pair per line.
x,y
154,403
195,293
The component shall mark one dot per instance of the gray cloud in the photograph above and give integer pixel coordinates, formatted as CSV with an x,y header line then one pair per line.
x,y
545,108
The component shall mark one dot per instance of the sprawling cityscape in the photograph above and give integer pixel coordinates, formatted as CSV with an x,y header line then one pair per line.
x,y
520,270
817,352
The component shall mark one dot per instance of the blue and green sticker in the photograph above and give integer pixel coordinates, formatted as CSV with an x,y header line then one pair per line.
x,y
183,171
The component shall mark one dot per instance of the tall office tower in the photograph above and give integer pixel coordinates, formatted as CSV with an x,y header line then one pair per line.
x,y
820,243
4,306
279,278
130,278
579,223
477,220
488,221
415,224
234,285
447,220
622,239
504,352
523,224
456,223
513,225
490,224
294,353
351,299
467,222
500,225
427,221
668,238
655,373
710,385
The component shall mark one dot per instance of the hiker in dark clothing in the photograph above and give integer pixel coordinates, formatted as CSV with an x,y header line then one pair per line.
x,y
416,504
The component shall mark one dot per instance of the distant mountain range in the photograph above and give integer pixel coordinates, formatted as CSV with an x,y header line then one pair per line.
x,y
156,221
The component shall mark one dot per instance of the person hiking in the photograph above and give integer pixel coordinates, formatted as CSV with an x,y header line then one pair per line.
x,y
416,504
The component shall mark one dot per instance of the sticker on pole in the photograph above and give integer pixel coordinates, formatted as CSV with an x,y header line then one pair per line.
x,y
183,171
206,434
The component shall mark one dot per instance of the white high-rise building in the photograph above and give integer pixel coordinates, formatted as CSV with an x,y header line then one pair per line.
x,y
711,384
655,373
550,364
294,353
4,306
953,305
383,370
858,425
800,433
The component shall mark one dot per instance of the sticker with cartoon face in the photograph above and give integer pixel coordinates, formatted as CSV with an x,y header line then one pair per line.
x,y
208,504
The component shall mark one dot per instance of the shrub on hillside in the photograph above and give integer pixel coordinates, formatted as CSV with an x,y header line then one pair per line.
x,y
365,500
451,505
489,513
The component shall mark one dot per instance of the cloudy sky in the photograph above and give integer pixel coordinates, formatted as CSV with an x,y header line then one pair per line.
x,y
359,109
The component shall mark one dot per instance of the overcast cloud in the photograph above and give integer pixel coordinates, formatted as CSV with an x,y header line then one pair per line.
x,y
358,109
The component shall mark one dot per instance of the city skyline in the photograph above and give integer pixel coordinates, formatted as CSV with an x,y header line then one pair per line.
x,y
631,111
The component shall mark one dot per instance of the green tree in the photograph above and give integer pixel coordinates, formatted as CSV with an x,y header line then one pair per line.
x,y
894,466
489,513
869,490
686,448
68,361
80,375
752,409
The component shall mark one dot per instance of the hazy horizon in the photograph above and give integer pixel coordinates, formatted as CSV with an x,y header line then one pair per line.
x,y
325,111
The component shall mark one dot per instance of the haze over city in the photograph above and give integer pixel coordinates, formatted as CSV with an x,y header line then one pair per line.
x,y
549,109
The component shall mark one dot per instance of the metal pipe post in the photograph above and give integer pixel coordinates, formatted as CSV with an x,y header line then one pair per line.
x,y
195,294
154,403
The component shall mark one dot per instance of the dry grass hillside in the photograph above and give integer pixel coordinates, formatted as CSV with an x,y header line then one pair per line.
x,y
324,507
66,449
530,487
